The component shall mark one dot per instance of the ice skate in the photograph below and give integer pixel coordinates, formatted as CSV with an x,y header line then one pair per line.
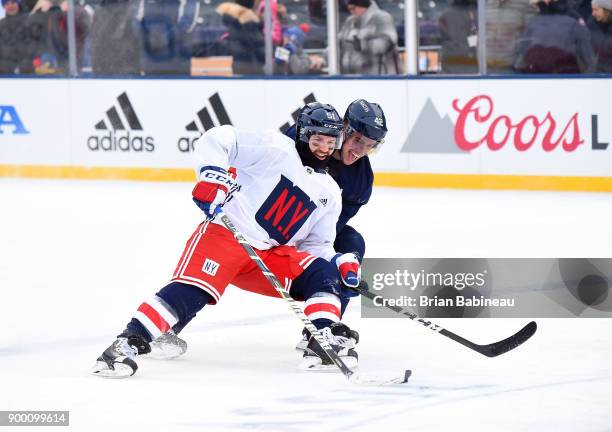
x,y
303,342
167,347
117,361
341,338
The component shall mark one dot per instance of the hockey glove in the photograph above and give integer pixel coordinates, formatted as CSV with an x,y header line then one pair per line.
x,y
350,269
213,190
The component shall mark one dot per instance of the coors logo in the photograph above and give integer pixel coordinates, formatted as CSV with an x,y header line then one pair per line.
x,y
479,112
478,124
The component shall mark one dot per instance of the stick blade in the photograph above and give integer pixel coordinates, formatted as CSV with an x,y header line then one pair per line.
x,y
380,381
508,344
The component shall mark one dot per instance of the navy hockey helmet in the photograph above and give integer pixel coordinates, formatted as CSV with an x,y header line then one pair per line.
x,y
316,118
367,118
319,118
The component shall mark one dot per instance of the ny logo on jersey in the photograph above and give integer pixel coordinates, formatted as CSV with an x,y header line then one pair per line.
x,y
284,211
210,267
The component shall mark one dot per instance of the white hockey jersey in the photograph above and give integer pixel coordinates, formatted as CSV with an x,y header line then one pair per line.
x,y
280,201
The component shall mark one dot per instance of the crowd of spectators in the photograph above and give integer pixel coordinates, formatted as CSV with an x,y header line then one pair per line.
x,y
154,37
34,37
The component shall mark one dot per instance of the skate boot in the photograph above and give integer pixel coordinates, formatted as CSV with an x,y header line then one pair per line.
x,y
117,361
303,343
167,347
341,338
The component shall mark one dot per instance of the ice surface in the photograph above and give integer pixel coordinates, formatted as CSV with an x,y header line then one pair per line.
x,y
76,258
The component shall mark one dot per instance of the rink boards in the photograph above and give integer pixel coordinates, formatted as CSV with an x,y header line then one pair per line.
x,y
546,134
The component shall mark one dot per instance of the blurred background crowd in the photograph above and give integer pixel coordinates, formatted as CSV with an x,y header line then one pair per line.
x,y
228,37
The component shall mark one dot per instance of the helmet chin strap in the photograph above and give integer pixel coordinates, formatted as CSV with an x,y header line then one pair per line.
x,y
309,159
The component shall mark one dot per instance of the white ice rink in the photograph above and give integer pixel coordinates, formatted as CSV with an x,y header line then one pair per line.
x,y
76,259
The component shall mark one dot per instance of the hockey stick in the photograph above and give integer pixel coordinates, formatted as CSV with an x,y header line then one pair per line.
x,y
490,350
297,310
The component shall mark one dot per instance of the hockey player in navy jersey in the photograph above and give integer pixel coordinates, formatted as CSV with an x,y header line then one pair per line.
x,y
365,127
281,199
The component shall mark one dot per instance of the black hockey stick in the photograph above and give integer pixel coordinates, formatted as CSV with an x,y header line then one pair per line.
x,y
490,350
297,310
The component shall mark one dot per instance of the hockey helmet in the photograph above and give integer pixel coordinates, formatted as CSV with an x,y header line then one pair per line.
x,y
319,118
366,118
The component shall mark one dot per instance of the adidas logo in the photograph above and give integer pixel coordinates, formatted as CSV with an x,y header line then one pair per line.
x,y
308,99
118,134
114,119
323,201
204,122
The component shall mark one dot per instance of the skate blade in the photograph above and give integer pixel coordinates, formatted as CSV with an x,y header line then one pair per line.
x,y
314,364
164,353
102,370
301,346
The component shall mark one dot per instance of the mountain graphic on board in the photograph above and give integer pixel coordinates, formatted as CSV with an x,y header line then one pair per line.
x,y
431,133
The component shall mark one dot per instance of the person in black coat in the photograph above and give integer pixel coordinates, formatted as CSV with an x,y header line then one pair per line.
x,y
555,41
244,39
14,56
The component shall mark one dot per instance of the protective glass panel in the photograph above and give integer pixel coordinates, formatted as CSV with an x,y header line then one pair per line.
x,y
34,37
448,37
369,37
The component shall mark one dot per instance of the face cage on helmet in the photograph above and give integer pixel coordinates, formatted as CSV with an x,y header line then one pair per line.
x,y
307,131
349,130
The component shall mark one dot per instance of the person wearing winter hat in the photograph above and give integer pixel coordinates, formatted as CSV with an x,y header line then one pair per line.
x,y
11,7
290,57
600,25
602,10
367,41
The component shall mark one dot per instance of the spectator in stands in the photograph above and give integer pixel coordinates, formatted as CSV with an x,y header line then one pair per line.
x,y
244,39
600,25
53,51
277,30
506,21
291,58
368,40
13,51
116,42
458,26
36,37
555,41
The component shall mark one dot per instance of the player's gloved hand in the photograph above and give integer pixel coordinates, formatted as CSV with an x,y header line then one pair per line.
x,y
347,292
350,269
213,189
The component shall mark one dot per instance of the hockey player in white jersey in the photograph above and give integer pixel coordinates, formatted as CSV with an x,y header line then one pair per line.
x,y
286,206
